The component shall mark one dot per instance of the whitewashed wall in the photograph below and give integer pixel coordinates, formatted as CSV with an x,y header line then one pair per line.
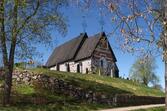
x,y
53,68
86,64
63,67
73,66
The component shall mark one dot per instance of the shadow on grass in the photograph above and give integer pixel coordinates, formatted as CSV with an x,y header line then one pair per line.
x,y
95,86
59,102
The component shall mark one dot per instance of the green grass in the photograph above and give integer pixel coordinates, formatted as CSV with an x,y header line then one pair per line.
x,y
153,109
103,84
24,89
51,107
23,94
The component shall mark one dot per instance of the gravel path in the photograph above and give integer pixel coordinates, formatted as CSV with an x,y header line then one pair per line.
x,y
134,107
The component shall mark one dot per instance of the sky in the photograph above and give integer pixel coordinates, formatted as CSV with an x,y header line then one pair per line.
x,y
75,20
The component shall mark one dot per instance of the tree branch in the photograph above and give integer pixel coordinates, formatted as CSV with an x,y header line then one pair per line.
x,y
3,35
29,17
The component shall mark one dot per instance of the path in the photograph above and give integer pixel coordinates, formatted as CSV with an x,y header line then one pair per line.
x,y
134,107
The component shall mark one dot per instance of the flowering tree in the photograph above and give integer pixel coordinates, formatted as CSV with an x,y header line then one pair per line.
x,y
142,25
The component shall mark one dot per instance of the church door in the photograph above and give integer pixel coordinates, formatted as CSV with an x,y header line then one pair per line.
x,y
78,68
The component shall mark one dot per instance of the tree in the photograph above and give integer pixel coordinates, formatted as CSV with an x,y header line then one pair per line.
x,y
158,86
138,22
23,25
143,70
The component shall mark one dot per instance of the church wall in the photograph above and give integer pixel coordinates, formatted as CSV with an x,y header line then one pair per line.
x,y
62,67
84,66
53,68
103,53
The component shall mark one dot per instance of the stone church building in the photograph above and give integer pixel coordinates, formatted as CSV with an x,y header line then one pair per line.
x,y
85,54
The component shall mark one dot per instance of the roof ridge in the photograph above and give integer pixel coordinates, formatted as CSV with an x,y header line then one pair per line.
x,y
79,36
64,53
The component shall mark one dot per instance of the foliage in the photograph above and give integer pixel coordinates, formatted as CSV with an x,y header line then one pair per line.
x,y
158,86
35,19
143,70
135,23
23,26
21,65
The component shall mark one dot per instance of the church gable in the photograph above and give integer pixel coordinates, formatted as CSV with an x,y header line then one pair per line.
x,y
103,58
103,49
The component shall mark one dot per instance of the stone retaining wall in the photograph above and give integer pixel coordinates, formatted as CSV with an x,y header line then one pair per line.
x,y
60,86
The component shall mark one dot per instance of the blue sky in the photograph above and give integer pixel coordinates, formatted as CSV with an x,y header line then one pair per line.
x,y
75,20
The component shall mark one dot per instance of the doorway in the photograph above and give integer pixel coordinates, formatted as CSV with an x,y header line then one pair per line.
x,y
78,68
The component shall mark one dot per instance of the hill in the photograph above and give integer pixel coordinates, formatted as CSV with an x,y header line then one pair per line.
x,y
24,96
103,84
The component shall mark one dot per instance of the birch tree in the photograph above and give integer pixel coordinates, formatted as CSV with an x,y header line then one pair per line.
x,y
23,25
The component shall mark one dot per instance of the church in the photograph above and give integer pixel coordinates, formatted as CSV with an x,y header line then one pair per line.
x,y
85,55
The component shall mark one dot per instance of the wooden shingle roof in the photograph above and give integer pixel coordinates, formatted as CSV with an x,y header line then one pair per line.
x,y
88,47
76,49
66,51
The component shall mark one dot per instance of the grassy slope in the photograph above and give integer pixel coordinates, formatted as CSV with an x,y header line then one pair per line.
x,y
60,102
22,93
103,84
152,109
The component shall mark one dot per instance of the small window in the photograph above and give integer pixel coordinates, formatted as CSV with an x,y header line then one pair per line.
x,y
101,63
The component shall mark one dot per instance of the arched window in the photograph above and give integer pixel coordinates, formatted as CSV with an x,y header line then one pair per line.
x,y
103,62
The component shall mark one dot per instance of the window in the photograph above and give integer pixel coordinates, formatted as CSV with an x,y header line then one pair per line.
x,y
101,63
103,43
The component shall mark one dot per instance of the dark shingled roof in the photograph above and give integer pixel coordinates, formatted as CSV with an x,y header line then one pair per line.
x,y
88,47
66,51
76,49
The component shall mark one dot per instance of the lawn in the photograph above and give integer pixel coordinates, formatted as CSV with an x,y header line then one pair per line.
x,y
33,98
103,84
23,95
153,109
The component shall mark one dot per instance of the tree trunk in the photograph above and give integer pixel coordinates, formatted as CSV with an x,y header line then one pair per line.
x,y
7,86
165,49
166,86
4,52
10,63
